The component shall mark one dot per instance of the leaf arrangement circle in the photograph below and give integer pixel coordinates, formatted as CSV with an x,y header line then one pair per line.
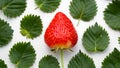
x,y
94,39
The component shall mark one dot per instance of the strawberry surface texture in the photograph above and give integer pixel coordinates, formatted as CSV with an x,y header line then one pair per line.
x,y
61,33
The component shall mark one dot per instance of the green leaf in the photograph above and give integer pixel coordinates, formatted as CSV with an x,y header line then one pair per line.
x,y
81,61
6,33
47,6
2,64
83,9
22,54
112,14
49,62
112,61
95,39
13,8
31,26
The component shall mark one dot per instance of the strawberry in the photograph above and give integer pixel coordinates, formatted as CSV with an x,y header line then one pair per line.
x,y
61,33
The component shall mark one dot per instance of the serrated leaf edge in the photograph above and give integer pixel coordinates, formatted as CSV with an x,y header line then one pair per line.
x,y
25,32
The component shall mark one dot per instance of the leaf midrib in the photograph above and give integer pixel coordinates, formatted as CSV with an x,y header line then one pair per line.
x,y
95,49
41,4
81,15
21,56
82,12
4,7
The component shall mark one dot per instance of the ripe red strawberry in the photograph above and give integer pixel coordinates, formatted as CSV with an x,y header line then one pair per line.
x,y
61,33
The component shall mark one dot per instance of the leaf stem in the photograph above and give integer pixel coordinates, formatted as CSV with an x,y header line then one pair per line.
x,y
78,22
80,17
36,8
62,57
16,65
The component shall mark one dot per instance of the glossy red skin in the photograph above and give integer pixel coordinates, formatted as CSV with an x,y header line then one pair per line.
x,y
61,33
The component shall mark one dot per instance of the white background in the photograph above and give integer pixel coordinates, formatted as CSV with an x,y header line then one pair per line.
x,y
42,49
